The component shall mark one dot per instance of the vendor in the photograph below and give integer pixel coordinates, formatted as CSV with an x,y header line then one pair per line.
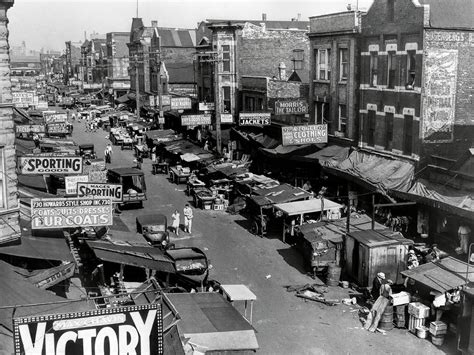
x,y
377,285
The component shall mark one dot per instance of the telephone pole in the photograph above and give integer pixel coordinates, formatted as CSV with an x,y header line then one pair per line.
x,y
217,106
137,88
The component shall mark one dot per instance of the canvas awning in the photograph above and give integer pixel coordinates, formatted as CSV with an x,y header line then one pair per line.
x,y
442,275
328,156
306,206
39,248
189,157
282,193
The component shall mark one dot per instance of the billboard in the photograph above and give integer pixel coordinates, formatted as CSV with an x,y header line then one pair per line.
x,y
180,103
35,165
254,119
35,128
54,117
57,128
195,120
88,189
296,135
118,330
291,107
71,183
54,213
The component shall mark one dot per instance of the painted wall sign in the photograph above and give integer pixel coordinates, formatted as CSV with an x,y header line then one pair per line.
x,y
34,165
180,103
35,128
439,100
194,120
70,183
291,107
114,191
120,330
254,119
296,135
54,213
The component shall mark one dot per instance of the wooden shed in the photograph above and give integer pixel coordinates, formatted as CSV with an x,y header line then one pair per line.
x,y
371,251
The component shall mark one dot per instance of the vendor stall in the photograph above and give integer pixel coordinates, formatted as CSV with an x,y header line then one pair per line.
x,y
179,174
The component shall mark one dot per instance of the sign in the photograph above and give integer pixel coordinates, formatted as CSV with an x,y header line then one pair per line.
x,y
165,100
195,120
152,101
254,119
35,128
97,175
439,100
33,165
227,118
87,189
57,128
291,107
46,279
117,330
207,106
54,213
23,98
296,135
180,103
54,117
71,183
42,105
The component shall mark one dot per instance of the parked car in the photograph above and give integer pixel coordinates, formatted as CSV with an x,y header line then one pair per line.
x,y
154,228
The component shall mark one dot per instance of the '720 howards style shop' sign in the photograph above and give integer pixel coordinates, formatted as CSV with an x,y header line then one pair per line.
x,y
34,164
296,135
119,330
54,213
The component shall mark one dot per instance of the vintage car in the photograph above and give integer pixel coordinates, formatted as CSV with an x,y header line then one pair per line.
x,y
133,184
86,151
154,228
192,266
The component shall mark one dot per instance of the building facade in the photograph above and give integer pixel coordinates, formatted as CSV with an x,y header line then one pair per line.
x,y
118,78
73,60
94,63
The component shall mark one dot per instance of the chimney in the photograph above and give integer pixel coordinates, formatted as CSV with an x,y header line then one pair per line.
x,y
299,17
154,23
282,71
264,17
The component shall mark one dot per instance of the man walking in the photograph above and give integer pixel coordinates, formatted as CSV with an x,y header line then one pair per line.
x,y
108,153
188,218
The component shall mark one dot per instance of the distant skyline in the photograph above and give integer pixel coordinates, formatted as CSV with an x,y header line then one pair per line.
x,y
48,24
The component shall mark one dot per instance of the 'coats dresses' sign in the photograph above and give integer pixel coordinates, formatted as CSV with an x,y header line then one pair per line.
x,y
195,120
53,213
254,119
121,330
180,103
114,191
34,165
291,107
309,134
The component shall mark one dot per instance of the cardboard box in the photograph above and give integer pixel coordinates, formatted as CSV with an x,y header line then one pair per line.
x,y
438,328
400,298
418,310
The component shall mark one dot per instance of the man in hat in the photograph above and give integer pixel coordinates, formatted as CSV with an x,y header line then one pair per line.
x,y
412,260
377,284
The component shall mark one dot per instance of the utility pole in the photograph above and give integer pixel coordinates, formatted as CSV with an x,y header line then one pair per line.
x,y
137,88
217,100
161,116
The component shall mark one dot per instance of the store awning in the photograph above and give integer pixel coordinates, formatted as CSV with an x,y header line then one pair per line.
x,y
283,193
39,248
442,275
306,206
291,150
189,157
329,156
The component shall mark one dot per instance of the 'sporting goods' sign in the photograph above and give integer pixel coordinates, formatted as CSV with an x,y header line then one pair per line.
x,y
120,330
114,191
54,213
194,120
254,119
54,117
180,103
23,98
309,134
71,183
31,165
34,128
291,107
57,128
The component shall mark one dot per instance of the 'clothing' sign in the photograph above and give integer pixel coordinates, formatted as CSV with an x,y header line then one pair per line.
x,y
297,135
35,165
254,119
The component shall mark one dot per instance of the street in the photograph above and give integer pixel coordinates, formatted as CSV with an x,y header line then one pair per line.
x,y
284,323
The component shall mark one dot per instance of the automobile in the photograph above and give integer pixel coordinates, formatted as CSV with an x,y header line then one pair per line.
x,y
86,151
154,228
133,184
192,266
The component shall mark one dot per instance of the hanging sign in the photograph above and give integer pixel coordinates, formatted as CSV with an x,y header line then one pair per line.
x,y
227,118
70,183
254,119
57,128
207,106
88,189
35,128
117,330
291,107
297,135
195,120
180,103
152,101
54,117
34,165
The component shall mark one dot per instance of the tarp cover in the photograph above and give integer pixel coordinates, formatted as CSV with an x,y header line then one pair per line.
x,y
40,248
282,193
329,156
307,206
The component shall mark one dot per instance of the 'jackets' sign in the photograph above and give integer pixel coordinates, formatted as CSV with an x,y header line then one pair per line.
x,y
53,213
195,120
114,191
180,103
35,128
121,330
309,134
254,119
291,107
33,165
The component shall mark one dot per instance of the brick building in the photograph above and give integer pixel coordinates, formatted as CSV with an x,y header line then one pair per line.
x,y
73,60
118,78
94,62
9,204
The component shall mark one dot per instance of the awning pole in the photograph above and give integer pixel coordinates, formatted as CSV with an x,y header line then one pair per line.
x,y
373,212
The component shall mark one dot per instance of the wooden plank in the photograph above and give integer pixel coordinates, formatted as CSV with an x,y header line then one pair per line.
x,y
378,309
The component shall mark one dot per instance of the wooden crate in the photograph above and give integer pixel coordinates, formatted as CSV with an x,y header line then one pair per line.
x,y
438,328
414,322
418,310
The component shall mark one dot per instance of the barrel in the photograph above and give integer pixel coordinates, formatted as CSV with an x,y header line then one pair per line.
x,y
386,320
334,274
437,340
422,332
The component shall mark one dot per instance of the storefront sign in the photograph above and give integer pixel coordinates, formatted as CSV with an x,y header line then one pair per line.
x,y
114,191
152,101
71,183
34,165
120,330
57,128
54,117
291,107
207,106
296,135
42,105
165,100
35,128
227,118
254,119
195,120
23,98
180,103
54,213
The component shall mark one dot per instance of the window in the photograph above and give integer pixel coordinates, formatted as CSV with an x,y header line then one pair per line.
x,y
411,69
342,124
323,70
298,58
249,104
374,59
343,64
371,128
226,58
408,135
392,69
321,112
227,102
388,130
2,180
390,10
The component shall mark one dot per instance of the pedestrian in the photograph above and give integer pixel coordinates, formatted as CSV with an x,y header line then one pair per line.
x,y
377,285
386,289
307,186
412,261
206,145
188,218
36,139
464,234
139,160
108,153
175,222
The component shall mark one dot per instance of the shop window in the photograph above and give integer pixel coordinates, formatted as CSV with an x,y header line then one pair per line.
x,y
321,112
371,115
323,68
343,64
411,70
2,180
388,130
342,124
374,60
392,69
226,58
408,135
227,101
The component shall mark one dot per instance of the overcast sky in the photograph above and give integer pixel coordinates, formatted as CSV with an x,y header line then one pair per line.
x,y
48,24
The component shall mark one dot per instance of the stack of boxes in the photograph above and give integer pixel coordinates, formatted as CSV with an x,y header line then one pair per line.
x,y
400,301
438,330
418,313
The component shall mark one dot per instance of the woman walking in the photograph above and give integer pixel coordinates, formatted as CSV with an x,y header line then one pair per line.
x,y
175,222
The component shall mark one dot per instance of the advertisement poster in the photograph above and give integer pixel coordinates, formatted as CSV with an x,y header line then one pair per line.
x,y
195,120
180,103
254,119
35,165
439,99
54,213
124,330
297,135
54,117
71,183
291,107
89,189
57,128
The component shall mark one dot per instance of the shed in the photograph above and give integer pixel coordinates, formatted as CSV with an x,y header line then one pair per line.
x,y
369,252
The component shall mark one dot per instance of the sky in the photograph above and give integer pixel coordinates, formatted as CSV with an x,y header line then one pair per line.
x,y
49,23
